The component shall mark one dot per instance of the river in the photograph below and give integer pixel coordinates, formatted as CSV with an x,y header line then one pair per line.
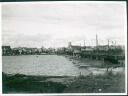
x,y
51,65
45,65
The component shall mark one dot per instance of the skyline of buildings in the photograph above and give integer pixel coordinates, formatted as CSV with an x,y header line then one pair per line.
x,y
70,49
82,43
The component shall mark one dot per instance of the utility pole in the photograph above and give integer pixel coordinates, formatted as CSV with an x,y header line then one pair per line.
x,y
115,43
84,43
108,43
96,46
96,40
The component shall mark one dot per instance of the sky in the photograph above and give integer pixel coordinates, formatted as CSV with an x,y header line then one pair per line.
x,y
54,24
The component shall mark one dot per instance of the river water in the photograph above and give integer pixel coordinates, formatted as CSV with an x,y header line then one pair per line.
x,y
46,65
51,65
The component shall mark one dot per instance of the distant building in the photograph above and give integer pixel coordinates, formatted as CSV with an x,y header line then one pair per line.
x,y
79,49
103,47
6,50
61,50
76,50
87,48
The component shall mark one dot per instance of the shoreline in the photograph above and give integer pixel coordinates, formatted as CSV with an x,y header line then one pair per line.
x,y
108,82
94,66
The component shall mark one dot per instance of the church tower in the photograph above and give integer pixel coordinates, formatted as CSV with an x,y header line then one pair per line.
x,y
69,44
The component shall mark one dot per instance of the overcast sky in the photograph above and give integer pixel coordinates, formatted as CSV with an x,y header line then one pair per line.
x,y
55,24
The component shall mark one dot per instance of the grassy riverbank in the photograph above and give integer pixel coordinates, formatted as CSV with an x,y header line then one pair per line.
x,y
112,81
108,83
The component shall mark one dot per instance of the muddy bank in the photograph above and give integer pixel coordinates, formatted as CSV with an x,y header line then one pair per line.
x,y
95,67
107,83
19,83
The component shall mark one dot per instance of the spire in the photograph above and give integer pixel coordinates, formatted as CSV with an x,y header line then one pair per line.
x,y
96,40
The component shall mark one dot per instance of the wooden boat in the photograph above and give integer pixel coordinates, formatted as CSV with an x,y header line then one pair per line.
x,y
84,66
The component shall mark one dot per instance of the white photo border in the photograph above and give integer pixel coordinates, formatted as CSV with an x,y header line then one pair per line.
x,y
43,94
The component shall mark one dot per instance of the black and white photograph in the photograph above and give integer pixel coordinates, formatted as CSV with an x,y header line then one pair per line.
x,y
61,47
